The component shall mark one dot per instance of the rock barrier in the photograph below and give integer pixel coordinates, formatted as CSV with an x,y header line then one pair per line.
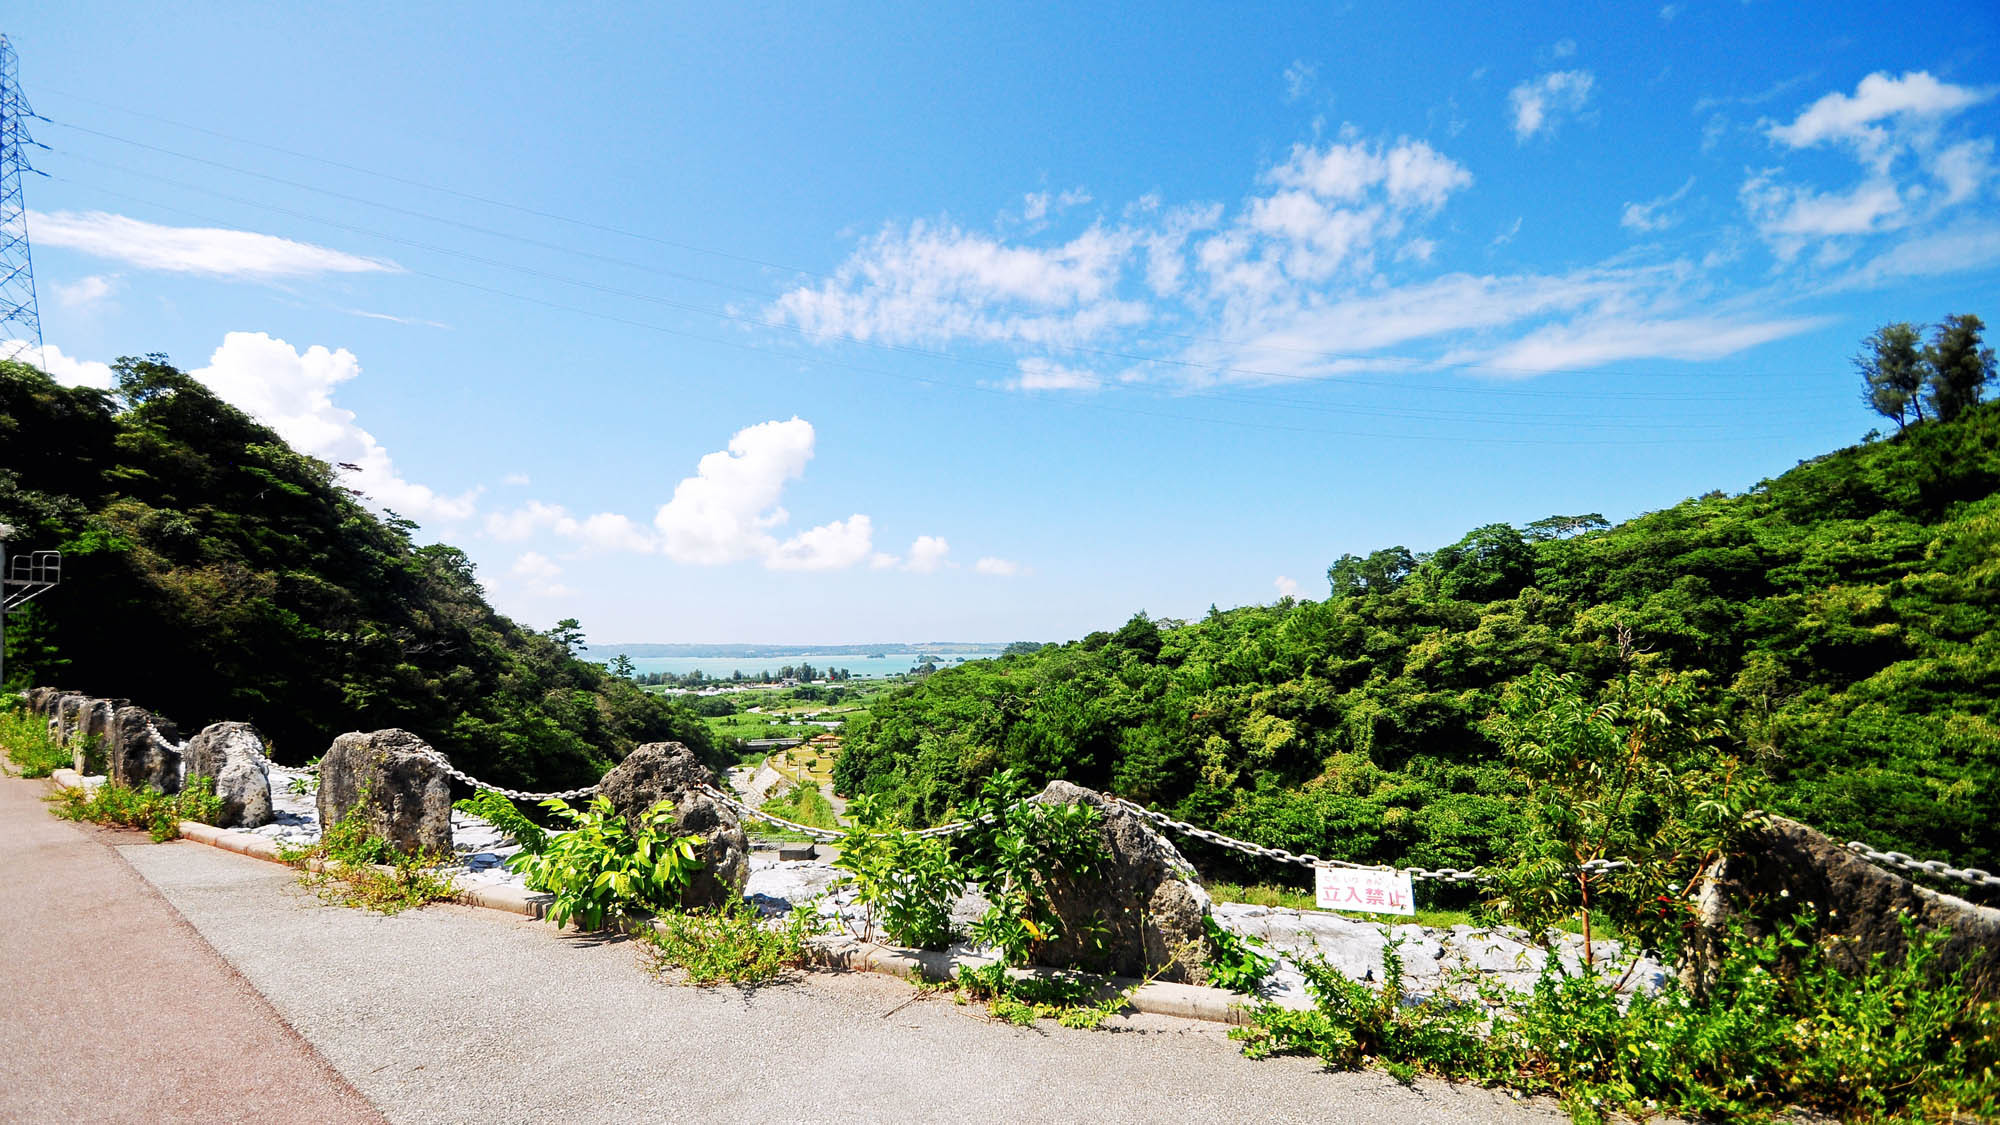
x,y
669,771
232,754
391,779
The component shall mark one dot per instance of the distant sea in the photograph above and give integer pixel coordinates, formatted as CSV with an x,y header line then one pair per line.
x,y
869,665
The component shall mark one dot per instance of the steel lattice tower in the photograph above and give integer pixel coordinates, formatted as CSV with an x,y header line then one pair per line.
x,y
20,318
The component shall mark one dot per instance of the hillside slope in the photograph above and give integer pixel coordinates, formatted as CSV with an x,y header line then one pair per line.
x,y
1846,615
211,572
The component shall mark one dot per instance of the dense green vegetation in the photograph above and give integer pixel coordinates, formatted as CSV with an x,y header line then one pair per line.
x,y
1843,620
211,572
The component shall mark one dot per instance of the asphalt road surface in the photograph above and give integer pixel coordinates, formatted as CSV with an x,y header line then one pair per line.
x,y
179,982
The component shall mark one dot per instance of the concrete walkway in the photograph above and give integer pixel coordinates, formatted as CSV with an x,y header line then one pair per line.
x,y
457,1014
115,1009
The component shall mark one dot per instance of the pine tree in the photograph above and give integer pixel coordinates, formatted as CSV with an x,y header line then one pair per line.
x,y
1959,367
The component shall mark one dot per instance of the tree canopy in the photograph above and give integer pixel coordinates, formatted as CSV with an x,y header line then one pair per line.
x,y
211,572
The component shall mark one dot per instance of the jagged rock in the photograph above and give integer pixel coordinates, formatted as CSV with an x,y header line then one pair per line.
x,y
1781,868
233,754
387,777
93,734
68,714
1145,895
135,758
669,771
40,700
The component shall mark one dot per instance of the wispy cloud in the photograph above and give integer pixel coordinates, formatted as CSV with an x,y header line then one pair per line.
x,y
1541,104
1299,79
1653,215
208,251
85,293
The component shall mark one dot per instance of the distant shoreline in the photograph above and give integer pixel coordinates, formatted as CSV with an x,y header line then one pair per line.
x,y
769,652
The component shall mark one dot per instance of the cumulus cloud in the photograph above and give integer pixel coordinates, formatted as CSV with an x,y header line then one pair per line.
x,y
833,546
65,369
208,251
1540,104
1286,587
1911,173
1653,215
998,567
928,553
292,392
724,512
605,531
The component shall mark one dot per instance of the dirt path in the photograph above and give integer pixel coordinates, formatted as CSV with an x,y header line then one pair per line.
x,y
115,1009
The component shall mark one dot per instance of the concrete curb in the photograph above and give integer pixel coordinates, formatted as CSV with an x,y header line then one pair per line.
x,y
837,954
1188,1001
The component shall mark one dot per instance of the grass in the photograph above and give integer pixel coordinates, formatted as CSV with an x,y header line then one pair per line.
x,y
160,814
343,869
732,945
30,750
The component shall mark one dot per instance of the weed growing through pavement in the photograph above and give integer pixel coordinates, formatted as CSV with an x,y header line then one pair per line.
x,y
732,945
160,814
345,867
26,740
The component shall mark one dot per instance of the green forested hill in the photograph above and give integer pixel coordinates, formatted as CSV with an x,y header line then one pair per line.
x,y
1846,616
211,572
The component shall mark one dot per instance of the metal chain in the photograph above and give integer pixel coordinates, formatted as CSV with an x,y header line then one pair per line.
x,y
1938,868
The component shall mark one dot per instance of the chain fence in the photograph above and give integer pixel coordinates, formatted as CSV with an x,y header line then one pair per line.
x,y
1938,869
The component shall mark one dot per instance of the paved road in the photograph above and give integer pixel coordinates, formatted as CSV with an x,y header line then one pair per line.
x,y
457,1014
115,1009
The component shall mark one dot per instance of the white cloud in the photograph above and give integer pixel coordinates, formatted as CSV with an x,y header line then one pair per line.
x,y
1567,347
1669,11
1562,48
724,512
605,531
1653,215
1911,174
834,546
85,293
209,251
1859,120
516,479
1286,587
1319,271
1299,79
1539,105
67,370
292,392
928,553
1002,568
538,574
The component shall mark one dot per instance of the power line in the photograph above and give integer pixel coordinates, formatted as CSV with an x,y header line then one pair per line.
x,y
1539,419
976,388
1194,365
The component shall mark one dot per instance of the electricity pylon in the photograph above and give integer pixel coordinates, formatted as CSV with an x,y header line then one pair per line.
x,y
20,318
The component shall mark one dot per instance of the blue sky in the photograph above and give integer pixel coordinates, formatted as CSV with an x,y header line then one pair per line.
x,y
827,324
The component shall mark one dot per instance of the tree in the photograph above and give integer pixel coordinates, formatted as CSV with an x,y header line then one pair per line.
x,y
1562,527
1490,562
622,667
569,634
1379,573
1959,367
1893,369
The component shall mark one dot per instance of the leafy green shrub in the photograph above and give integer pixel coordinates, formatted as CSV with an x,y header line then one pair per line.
x,y
345,867
1893,1040
906,882
1233,960
25,738
805,804
1012,850
732,944
497,810
1637,773
158,813
601,869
